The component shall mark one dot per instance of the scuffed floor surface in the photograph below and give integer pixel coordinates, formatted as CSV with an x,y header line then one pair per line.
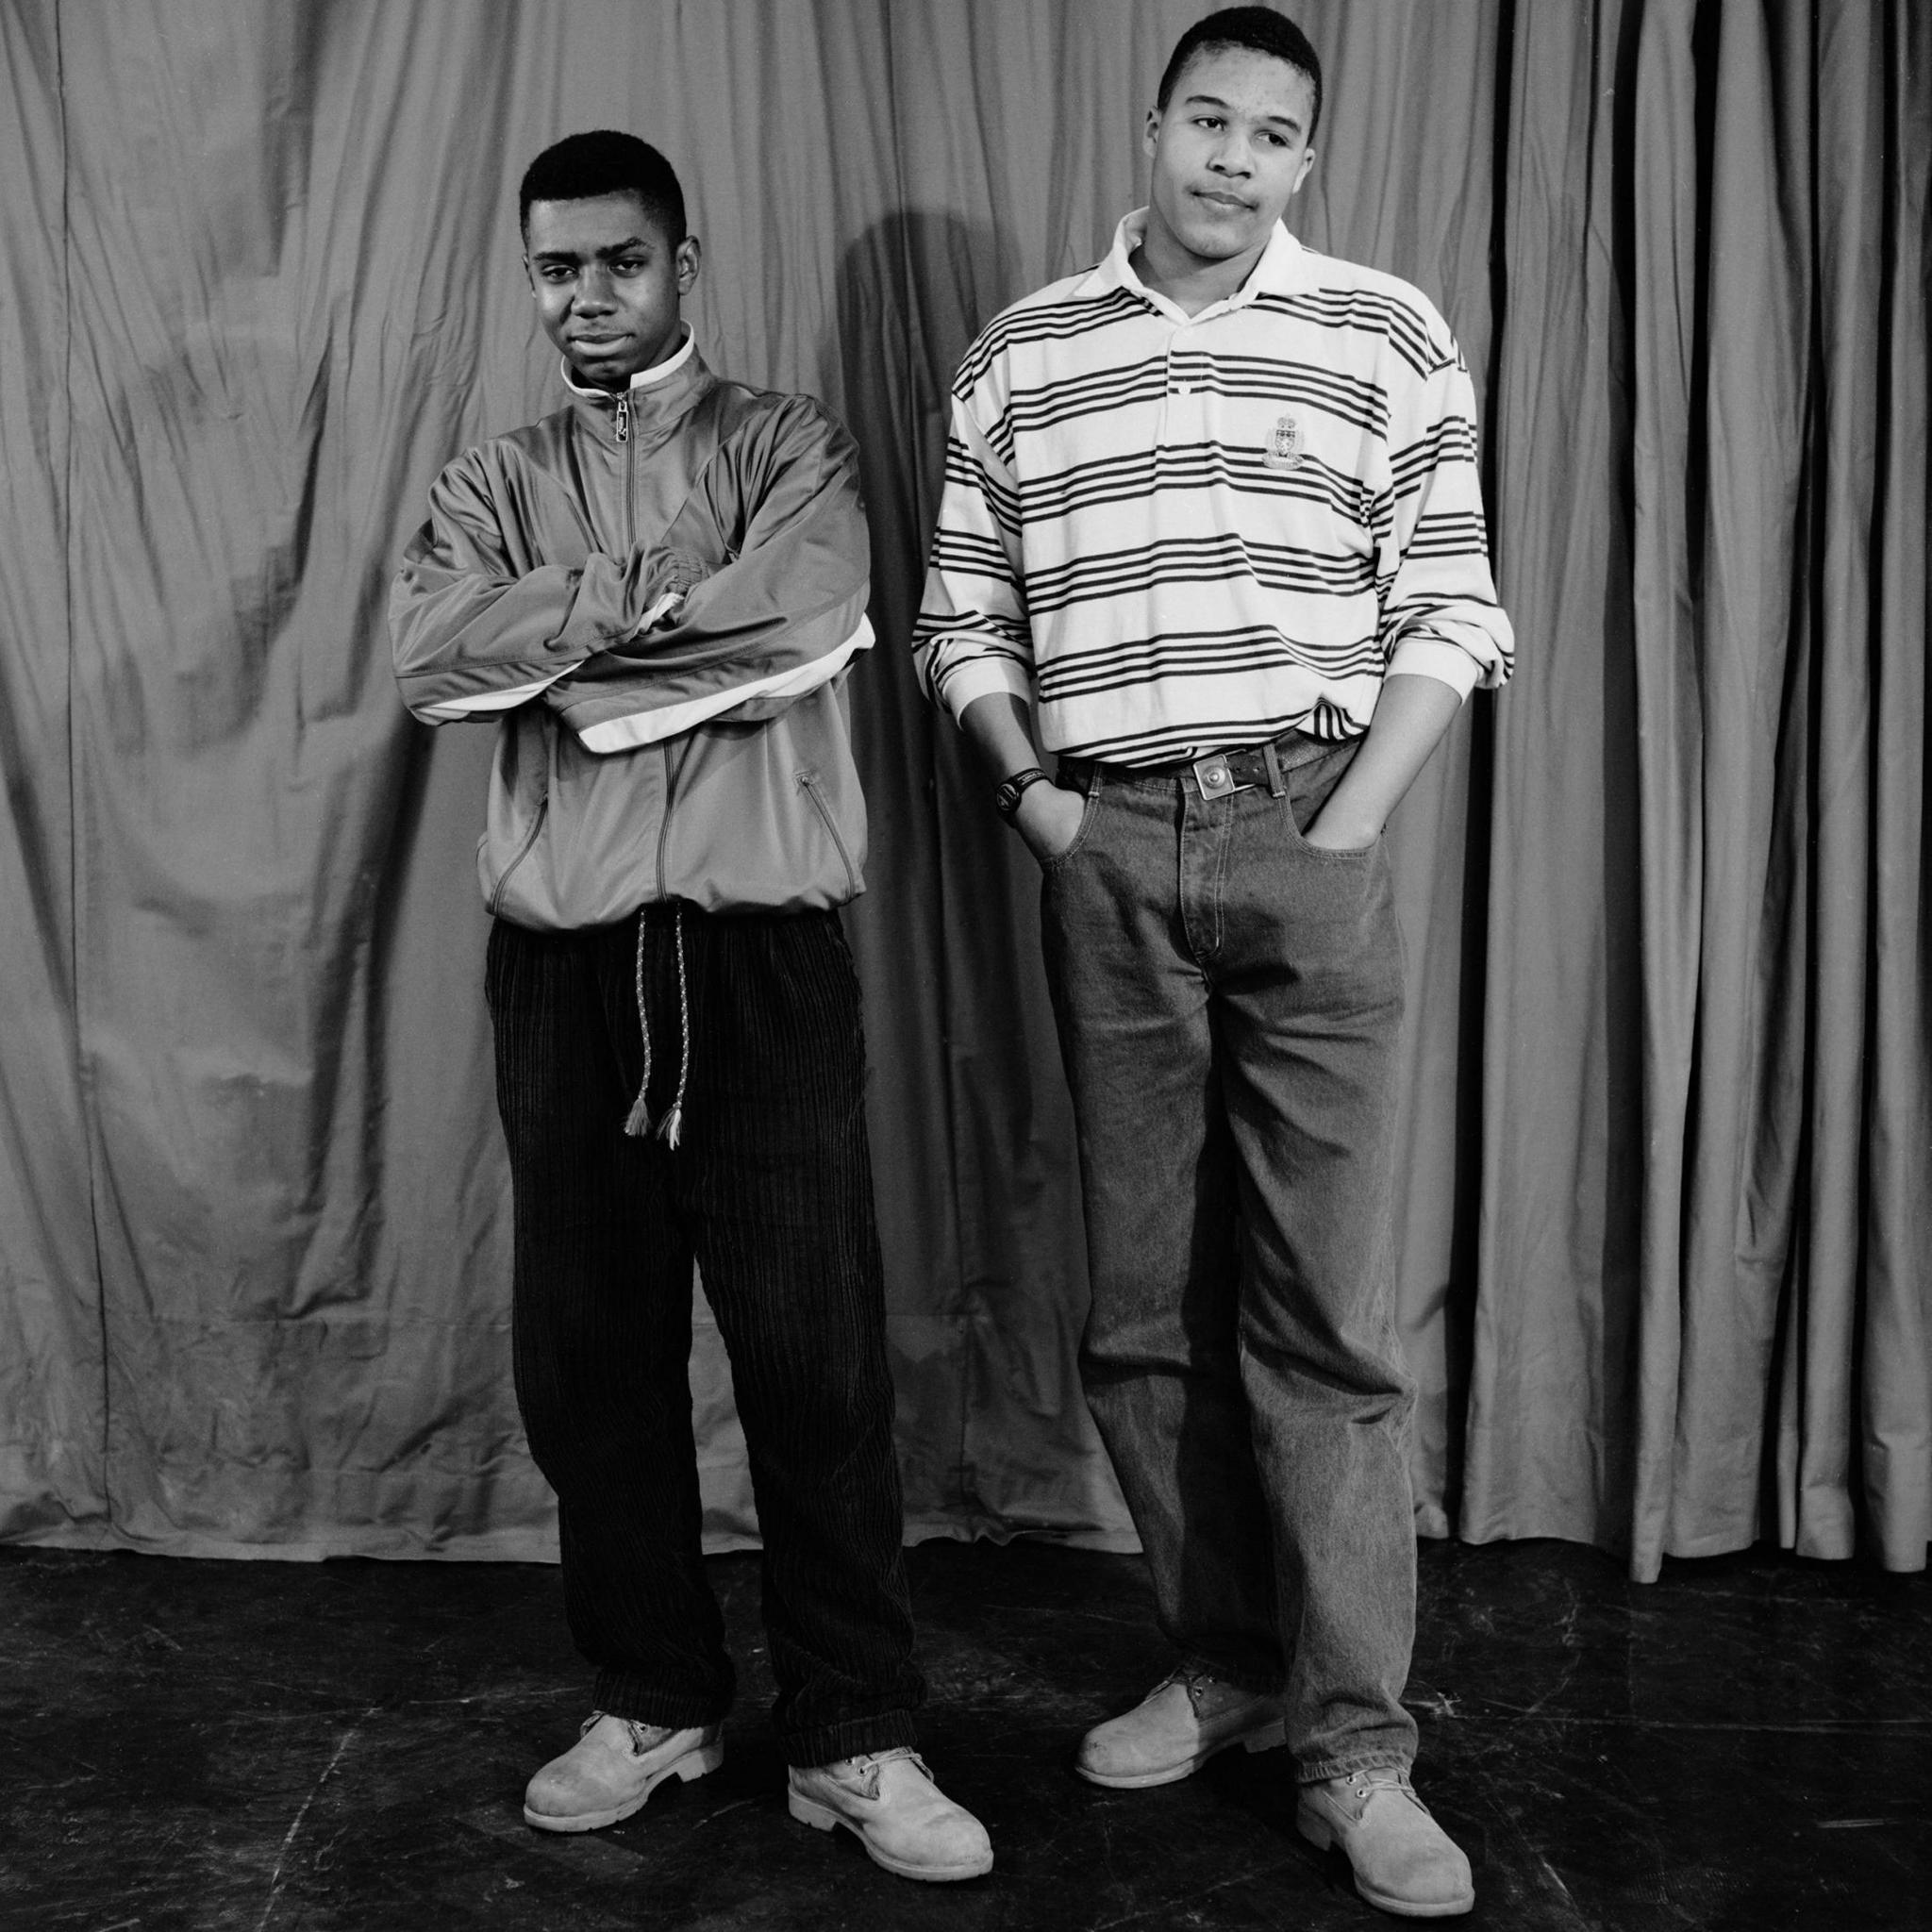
x,y
342,1748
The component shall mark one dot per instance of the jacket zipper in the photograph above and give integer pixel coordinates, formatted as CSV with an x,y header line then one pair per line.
x,y
630,535
808,784
664,818
523,852
672,774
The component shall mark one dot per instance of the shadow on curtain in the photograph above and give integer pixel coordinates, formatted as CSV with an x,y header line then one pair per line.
x,y
1665,1229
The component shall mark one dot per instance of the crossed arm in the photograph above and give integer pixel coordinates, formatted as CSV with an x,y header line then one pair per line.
x,y
752,598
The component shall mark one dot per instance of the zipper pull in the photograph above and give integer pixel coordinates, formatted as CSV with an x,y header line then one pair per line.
x,y
623,419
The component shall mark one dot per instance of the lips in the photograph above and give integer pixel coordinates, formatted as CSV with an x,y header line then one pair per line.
x,y
1232,204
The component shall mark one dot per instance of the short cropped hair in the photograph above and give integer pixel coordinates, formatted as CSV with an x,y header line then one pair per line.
x,y
605,162
1259,29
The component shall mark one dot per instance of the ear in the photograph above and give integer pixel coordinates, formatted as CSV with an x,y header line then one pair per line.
x,y
689,258
1150,137
529,275
1302,173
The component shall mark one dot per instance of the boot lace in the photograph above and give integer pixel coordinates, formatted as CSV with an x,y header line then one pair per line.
x,y
865,1767
1362,1785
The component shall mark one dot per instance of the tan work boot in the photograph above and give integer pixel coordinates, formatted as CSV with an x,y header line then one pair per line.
x,y
1176,1729
615,1764
1404,1861
888,1799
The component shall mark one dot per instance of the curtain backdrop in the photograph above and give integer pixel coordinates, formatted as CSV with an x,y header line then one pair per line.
x,y
1668,1157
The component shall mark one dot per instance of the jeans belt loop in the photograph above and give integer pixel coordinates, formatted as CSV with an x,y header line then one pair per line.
x,y
1271,758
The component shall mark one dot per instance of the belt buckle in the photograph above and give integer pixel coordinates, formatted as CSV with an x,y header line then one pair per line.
x,y
1213,776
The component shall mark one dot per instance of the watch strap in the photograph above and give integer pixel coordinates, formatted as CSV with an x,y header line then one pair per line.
x,y
1009,791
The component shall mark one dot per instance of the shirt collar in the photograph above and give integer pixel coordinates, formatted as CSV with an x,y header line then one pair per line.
x,y
1276,273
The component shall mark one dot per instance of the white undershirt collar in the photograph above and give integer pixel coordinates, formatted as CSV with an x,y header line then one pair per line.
x,y
644,378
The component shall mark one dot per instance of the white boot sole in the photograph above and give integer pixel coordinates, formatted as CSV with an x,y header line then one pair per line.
x,y
822,1818
694,1763
1268,1738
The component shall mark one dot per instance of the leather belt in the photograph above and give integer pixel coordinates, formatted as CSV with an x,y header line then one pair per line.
x,y
1220,773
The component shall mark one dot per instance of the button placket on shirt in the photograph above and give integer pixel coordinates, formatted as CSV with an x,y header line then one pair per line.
x,y
1188,386
1163,431
1183,387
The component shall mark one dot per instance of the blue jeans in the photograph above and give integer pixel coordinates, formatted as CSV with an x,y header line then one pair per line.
x,y
1229,1001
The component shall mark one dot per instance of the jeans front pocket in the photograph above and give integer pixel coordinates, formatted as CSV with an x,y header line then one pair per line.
x,y
1309,787
1060,859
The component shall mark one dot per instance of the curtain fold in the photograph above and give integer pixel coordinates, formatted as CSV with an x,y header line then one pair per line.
x,y
1895,1345
1553,1354
52,1366
1667,1148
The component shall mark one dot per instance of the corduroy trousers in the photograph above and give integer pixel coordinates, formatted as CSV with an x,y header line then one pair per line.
x,y
756,1017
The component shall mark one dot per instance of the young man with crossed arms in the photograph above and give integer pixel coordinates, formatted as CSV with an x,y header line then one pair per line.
x,y
653,594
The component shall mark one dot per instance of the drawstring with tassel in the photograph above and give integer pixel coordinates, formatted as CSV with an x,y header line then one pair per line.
x,y
672,1129
638,1123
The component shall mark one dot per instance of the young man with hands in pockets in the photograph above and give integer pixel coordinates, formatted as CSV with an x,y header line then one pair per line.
x,y
1212,526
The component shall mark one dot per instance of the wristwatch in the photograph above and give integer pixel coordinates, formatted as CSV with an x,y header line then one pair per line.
x,y
1009,791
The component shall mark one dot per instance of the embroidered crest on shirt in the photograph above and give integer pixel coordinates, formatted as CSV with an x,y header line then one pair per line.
x,y
1287,445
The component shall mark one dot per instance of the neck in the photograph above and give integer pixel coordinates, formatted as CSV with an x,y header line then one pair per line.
x,y
1168,268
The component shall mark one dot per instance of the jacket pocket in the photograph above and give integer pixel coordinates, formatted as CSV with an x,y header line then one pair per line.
x,y
808,784
517,856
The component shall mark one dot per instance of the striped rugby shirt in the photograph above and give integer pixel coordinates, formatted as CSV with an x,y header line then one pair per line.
x,y
1179,535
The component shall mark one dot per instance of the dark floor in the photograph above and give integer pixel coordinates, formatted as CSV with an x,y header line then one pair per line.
x,y
273,1746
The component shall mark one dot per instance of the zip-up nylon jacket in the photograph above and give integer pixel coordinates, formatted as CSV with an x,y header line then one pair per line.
x,y
657,596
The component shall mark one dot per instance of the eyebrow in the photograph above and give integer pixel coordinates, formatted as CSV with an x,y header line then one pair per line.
x,y
1215,100
616,248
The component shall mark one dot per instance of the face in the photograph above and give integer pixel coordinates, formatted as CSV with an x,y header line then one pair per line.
x,y
1229,152
607,285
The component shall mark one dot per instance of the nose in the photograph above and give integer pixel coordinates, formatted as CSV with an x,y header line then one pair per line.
x,y
594,289
1233,157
